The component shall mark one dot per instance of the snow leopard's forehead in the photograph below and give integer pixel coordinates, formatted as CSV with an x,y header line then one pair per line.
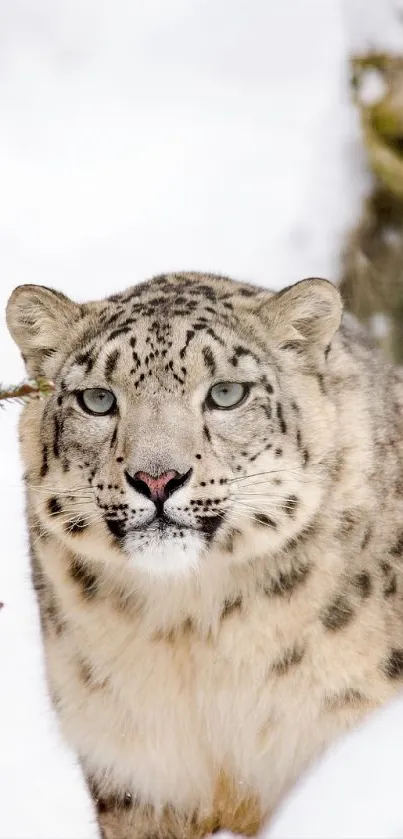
x,y
168,323
200,299
181,293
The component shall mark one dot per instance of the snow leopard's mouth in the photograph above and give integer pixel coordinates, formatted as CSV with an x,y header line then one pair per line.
x,y
163,524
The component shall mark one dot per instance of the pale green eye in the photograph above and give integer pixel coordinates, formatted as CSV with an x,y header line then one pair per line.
x,y
96,400
227,394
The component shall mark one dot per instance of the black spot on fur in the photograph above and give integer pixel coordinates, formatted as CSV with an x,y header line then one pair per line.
x,y
206,433
54,506
229,541
85,671
110,364
366,538
268,409
82,358
287,581
231,605
280,416
289,659
86,358
393,666
290,505
216,337
85,578
120,330
209,525
209,360
56,436
77,525
51,614
189,335
348,521
348,698
238,353
45,465
363,583
171,636
338,614
397,549
261,518
246,292
116,527
390,587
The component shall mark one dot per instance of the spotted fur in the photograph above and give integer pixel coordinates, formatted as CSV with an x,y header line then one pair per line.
x,y
201,653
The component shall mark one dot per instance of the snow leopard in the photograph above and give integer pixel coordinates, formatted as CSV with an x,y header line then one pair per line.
x,y
215,511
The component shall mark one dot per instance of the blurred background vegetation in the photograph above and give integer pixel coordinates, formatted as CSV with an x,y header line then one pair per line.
x,y
372,265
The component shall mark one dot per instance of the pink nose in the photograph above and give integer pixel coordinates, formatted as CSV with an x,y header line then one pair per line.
x,y
157,485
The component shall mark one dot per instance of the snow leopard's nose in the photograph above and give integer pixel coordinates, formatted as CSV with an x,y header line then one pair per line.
x,y
157,487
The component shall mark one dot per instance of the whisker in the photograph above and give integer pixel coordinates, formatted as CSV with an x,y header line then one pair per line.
x,y
79,503
72,508
247,514
245,494
295,471
269,482
257,475
48,488
288,470
257,508
72,511
38,538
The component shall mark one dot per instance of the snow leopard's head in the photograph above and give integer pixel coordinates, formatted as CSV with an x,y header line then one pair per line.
x,y
188,417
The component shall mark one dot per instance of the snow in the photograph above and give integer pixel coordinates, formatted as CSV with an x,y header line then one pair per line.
x,y
354,791
138,138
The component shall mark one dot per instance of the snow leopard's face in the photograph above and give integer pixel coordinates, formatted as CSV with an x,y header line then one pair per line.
x,y
188,413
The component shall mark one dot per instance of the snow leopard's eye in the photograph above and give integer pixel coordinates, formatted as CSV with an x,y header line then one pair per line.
x,y
96,400
226,395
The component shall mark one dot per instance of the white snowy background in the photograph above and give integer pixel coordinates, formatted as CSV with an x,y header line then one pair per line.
x,y
141,136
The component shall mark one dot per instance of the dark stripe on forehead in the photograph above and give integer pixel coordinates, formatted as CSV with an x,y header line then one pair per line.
x,y
111,363
239,352
216,337
209,360
189,335
120,330
86,358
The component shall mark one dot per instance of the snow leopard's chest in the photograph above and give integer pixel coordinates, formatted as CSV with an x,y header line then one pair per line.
x,y
163,718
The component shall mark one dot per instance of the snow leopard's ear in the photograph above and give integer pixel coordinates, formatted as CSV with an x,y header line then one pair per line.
x,y
40,321
304,316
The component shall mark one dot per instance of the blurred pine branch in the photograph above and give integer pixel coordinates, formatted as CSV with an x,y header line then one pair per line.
x,y
25,391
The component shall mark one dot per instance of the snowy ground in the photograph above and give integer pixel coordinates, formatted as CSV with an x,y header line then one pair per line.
x,y
140,137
